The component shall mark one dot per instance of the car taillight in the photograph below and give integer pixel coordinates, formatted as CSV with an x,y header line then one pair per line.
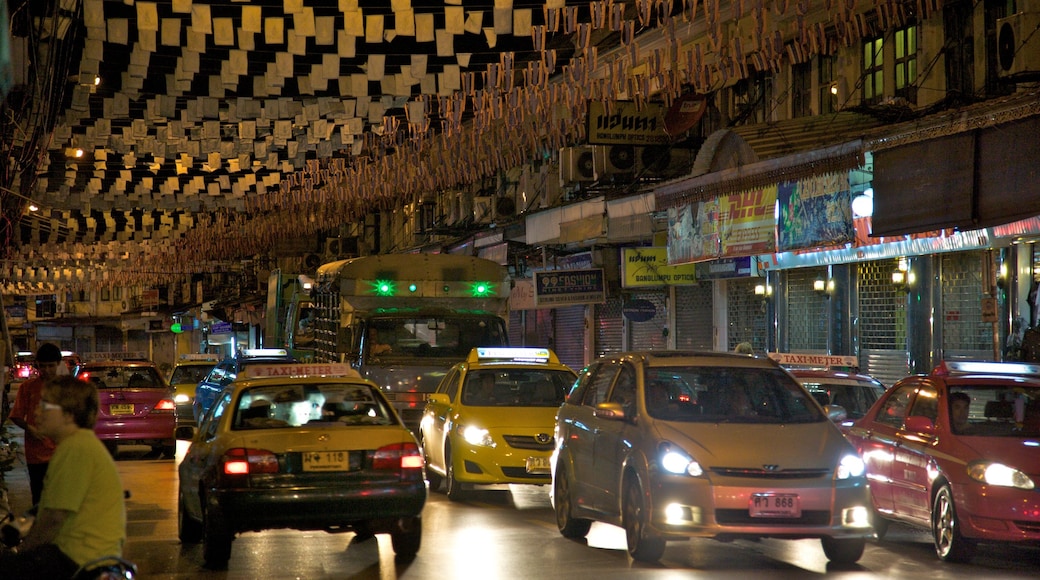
x,y
402,457
165,406
243,461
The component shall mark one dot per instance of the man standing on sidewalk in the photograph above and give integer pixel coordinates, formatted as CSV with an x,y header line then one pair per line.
x,y
38,448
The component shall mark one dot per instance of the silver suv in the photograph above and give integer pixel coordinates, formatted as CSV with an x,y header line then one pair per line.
x,y
672,445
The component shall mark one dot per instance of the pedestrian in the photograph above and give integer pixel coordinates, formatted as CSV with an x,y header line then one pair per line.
x,y
744,348
38,448
81,516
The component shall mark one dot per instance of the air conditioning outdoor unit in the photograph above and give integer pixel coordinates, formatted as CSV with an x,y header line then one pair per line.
x,y
1018,42
341,248
483,209
664,162
617,160
577,164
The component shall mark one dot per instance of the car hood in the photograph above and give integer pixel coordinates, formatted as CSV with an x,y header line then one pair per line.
x,y
1019,452
507,419
789,446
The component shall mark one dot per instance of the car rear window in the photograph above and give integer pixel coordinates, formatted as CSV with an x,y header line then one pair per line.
x,y
122,377
294,405
702,394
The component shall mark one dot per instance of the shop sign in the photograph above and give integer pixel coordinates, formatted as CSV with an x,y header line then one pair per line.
x,y
639,310
569,287
649,267
220,328
521,295
742,267
625,123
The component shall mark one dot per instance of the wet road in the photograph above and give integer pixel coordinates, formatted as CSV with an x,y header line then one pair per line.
x,y
504,534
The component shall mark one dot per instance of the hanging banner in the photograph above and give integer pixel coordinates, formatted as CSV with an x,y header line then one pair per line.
x,y
746,222
814,212
626,124
643,267
693,234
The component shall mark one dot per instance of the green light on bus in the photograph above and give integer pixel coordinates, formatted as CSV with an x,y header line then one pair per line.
x,y
384,288
412,287
481,289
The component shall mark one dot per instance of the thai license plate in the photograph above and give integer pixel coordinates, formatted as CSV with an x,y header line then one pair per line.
x,y
774,505
121,409
326,461
538,465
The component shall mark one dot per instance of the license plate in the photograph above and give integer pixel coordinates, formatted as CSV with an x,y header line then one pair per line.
x,y
326,461
538,465
774,505
121,409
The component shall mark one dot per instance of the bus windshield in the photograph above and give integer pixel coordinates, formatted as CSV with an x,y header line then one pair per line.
x,y
431,337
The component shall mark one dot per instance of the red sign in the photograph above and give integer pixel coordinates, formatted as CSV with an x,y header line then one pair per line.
x,y
684,113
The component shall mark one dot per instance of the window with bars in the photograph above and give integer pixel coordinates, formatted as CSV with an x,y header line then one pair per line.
x,y
828,90
906,63
873,71
801,90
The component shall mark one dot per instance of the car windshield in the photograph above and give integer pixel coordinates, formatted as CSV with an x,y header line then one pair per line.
x,y
855,397
516,388
189,374
122,377
288,405
703,394
996,411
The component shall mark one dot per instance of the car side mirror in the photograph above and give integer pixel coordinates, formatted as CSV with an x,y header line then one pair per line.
x,y
919,424
836,413
611,411
437,398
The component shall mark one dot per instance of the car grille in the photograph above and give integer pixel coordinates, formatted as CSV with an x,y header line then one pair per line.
x,y
1027,526
521,473
743,517
528,442
771,474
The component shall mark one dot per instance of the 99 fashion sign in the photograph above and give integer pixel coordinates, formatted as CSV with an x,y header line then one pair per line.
x,y
569,287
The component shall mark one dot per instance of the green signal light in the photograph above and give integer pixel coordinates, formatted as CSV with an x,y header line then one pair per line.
x,y
384,288
412,287
481,289
176,328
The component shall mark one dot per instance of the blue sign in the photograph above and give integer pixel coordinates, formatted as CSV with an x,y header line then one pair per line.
x,y
569,287
220,328
639,310
740,267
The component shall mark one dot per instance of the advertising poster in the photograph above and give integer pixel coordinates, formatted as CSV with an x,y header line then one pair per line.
x,y
643,267
746,222
693,234
814,212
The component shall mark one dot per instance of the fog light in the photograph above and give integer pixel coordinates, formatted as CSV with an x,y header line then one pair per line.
x,y
679,515
856,517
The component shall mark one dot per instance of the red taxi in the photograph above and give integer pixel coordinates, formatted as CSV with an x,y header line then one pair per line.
x,y
957,452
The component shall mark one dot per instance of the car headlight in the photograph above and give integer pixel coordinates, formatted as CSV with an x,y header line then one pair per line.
x,y
850,466
677,461
999,474
181,398
477,436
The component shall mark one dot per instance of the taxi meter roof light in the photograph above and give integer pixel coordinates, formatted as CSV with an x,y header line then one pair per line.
x,y
300,370
503,354
954,368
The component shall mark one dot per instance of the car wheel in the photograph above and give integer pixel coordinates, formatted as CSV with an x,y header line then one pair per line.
x,y
216,539
570,527
643,546
950,545
880,524
454,490
167,451
407,538
843,551
189,531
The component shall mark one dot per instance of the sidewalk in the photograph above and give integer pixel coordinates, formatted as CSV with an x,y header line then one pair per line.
x,y
18,495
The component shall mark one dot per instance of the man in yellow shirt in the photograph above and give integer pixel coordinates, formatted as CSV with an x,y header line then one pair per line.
x,y
81,515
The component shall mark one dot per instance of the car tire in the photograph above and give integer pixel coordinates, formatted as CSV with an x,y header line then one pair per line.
x,y
570,526
454,488
846,551
407,539
950,545
216,539
643,546
433,477
167,451
880,524
189,531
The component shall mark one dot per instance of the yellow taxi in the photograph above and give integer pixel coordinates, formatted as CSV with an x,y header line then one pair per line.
x,y
303,447
186,375
491,419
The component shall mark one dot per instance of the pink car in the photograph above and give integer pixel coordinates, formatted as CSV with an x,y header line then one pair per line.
x,y
136,405
957,452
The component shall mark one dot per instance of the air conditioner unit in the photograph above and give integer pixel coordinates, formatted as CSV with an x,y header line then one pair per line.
x,y
1018,43
577,164
340,248
59,307
310,262
617,160
483,209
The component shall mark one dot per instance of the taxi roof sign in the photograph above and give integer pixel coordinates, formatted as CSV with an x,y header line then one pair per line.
x,y
519,354
265,352
200,357
814,360
300,370
949,368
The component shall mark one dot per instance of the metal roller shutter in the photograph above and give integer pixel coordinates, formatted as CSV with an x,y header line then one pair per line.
x,y
609,327
694,317
570,336
964,334
806,311
746,314
882,323
649,335
516,328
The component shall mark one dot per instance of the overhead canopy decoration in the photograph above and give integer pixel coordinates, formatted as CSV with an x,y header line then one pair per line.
x,y
270,118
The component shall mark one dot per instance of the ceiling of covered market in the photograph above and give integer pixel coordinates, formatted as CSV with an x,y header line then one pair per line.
x,y
163,138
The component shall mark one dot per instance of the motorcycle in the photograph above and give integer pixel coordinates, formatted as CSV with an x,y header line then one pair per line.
x,y
13,528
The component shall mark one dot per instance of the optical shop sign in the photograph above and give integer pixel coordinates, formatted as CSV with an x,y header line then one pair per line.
x,y
569,287
649,267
